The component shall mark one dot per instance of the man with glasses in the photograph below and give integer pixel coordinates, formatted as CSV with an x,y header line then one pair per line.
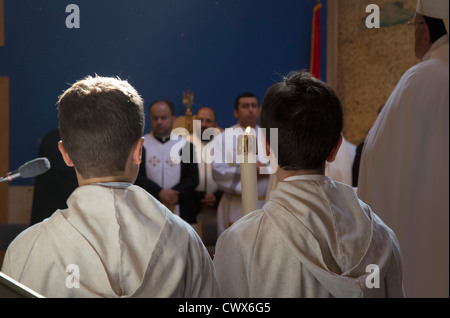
x,y
404,174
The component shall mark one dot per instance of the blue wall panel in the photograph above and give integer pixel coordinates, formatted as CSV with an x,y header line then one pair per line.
x,y
215,48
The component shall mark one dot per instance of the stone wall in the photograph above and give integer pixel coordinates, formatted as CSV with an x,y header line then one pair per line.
x,y
370,62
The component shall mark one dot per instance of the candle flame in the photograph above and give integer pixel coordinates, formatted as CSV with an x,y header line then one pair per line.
x,y
248,130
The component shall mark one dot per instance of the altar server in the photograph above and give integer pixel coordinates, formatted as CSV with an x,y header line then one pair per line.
x,y
114,239
314,238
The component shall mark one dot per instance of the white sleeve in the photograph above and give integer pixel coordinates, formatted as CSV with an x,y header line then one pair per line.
x,y
227,177
226,171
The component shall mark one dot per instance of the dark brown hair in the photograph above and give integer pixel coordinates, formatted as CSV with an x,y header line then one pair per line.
x,y
308,115
243,95
100,119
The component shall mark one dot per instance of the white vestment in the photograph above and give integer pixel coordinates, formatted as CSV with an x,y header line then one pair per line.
x,y
206,181
114,240
404,172
227,174
160,167
341,168
314,238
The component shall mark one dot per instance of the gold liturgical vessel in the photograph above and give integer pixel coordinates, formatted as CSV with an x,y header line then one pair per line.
x,y
188,101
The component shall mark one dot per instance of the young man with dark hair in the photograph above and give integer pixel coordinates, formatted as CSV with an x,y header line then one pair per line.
x,y
314,237
114,239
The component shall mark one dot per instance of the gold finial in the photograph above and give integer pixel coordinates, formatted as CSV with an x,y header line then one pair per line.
x,y
188,101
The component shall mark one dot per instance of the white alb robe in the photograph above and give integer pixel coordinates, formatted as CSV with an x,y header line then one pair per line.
x,y
123,242
227,175
404,173
314,238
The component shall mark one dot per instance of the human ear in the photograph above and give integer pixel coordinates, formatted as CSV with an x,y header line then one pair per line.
x,y
137,151
332,156
267,148
235,113
64,154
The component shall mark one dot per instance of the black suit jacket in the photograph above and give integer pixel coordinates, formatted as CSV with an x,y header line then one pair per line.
x,y
186,187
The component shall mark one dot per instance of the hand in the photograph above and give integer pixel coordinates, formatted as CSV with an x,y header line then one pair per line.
x,y
209,200
168,197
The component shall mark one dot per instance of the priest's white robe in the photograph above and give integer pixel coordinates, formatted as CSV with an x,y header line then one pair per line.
x,y
404,172
314,238
114,240
227,174
341,168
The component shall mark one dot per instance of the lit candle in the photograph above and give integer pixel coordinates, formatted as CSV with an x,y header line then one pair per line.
x,y
247,157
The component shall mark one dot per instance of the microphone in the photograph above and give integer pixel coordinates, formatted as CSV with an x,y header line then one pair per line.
x,y
30,169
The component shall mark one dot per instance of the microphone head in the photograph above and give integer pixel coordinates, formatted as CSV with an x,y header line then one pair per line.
x,y
34,168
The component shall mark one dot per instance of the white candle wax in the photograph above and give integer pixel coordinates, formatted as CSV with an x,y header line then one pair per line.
x,y
249,184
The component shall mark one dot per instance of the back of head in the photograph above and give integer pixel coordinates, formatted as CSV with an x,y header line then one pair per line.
x,y
100,119
436,14
436,28
309,119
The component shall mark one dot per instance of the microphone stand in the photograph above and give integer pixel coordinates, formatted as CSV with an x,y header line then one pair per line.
x,y
10,176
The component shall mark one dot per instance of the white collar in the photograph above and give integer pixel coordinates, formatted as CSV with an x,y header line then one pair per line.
x,y
117,185
437,44
310,177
